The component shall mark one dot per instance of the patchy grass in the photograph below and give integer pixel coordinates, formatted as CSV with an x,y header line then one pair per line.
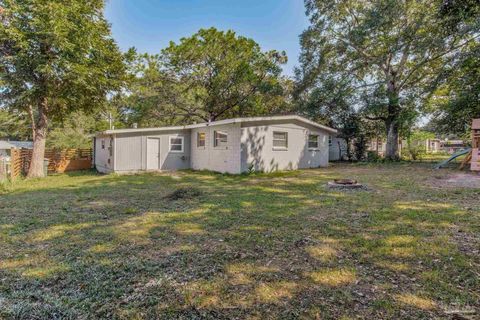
x,y
203,245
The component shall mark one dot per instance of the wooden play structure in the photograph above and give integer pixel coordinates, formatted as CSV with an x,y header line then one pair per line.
x,y
472,155
475,155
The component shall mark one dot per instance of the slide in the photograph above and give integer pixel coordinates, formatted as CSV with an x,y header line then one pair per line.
x,y
453,157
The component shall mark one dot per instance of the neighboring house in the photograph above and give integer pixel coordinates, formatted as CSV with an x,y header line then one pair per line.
x,y
232,146
379,146
6,146
433,145
452,146
337,149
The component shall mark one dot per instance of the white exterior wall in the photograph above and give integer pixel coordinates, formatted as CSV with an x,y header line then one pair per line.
x,y
131,151
338,149
250,143
104,163
258,151
220,159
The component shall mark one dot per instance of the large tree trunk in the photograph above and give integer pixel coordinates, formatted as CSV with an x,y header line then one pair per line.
x,y
391,152
349,150
39,140
392,121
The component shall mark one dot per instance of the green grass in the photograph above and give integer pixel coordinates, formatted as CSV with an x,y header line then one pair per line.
x,y
260,246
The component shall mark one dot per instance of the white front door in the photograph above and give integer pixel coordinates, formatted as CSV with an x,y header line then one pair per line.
x,y
153,154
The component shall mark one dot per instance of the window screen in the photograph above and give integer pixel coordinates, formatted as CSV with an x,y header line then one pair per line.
x,y
313,141
176,144
280,140
221,138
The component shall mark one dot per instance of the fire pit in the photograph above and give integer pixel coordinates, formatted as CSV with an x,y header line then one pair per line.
x,y
345,181
345,184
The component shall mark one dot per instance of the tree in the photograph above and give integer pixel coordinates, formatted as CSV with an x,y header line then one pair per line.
x,y
388,50
14,125
74,131
56,56
416,143
456,101
209,76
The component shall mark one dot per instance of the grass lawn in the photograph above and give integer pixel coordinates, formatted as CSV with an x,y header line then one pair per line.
x,y
257,247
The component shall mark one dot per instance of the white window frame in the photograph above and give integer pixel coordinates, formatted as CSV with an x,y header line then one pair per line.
x,y
330,141
318,142
170,144
215,144
286,140
204,140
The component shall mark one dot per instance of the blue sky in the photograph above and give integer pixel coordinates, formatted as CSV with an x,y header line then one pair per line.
x,y
149,25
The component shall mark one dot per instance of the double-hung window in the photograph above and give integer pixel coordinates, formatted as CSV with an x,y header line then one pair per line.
x,y
176,144
280,140
313,141
201,139
220,139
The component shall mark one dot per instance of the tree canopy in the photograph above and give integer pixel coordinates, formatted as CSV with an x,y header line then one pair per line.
x,y
456,100
391,53
56,56
209,76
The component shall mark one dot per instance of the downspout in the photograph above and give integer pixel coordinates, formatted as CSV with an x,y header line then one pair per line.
x,y
114,153
94,164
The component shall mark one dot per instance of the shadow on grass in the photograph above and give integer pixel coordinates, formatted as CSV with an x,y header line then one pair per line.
x,y
272,246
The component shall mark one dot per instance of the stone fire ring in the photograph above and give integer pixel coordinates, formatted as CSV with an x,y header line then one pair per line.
x,y
345,184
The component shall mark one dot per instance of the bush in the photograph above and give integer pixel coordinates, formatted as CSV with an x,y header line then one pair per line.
x,y
373,156
415,151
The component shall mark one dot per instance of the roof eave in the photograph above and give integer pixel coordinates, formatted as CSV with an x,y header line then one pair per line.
x,y
221,122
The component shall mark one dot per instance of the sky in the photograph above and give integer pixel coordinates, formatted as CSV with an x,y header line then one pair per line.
x,y
149,25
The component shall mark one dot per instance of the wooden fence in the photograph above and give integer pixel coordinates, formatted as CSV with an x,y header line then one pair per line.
x,y
3,170
59,161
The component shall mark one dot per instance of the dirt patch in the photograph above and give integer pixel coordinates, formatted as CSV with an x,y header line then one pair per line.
x,y
184,193
458,180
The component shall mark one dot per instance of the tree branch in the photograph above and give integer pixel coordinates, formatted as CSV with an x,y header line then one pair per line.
x,y
438,56
376,118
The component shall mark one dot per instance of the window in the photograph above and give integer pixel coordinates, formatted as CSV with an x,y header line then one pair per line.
x,y
312,141
221,138
103,143
330,141
176,144
200,139
280,140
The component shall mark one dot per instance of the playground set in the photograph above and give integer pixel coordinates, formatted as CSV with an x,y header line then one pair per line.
x,y
472,154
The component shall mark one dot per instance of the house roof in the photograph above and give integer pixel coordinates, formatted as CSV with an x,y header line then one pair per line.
x,y
16,144
223,122
6,145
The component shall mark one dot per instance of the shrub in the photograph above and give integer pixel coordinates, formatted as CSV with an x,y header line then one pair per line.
x,y
373,156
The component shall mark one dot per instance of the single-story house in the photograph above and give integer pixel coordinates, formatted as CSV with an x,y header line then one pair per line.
x,y
6,146
232,146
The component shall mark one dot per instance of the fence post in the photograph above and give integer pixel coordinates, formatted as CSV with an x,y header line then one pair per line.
x,y
12,164
3,170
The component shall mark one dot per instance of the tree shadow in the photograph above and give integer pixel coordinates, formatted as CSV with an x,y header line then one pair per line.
x,y
272,246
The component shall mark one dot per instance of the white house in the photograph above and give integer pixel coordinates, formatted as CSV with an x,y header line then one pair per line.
x,y
6,146
232,146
